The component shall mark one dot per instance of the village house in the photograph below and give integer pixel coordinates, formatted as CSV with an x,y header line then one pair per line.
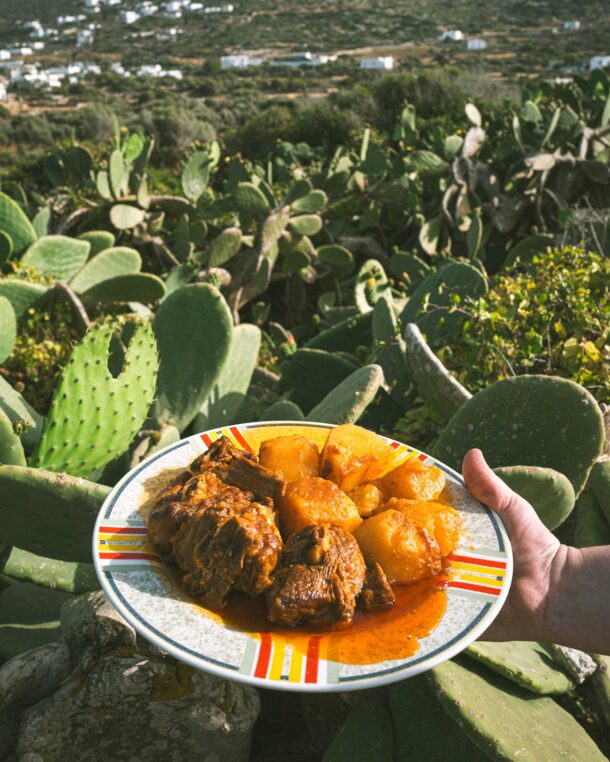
x,y
599,62
453,35
129,17
5,55
84,37
476,44
3,92
385,63
571,26
239,62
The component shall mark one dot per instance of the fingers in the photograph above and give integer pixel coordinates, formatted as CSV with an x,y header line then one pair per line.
x,y
490,490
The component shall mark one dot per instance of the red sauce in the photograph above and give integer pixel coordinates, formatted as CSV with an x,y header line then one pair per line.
x,y
372,637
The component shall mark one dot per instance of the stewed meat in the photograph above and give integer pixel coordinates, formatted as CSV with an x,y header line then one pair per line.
x,y
377,592
320,575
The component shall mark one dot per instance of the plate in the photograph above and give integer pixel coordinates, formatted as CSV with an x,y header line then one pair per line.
x,y
147,593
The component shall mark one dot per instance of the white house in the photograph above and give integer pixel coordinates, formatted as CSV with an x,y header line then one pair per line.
x,y
35,27
117,68
3,92
25,51
129,17
571,26
84,37
476,44
92,4
381,62
147,9
194,7
5,55
599,62
171,35
453,35
38,45
239,62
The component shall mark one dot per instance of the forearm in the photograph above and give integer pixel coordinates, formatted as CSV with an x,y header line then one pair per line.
x,y
577,611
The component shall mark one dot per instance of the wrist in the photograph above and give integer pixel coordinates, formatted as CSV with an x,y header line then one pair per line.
x,y
556,605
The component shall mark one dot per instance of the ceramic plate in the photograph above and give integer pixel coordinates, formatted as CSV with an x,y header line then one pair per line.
x,y
148,595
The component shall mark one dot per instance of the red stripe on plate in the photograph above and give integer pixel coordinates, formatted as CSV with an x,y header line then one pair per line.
x,y
264,656
476,588
422,456
311,665
394,445
206,440
478,561
130,556
240,438
124,530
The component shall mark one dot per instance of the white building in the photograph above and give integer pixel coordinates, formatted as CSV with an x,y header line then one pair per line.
x,y
92,4
25,51
147,9
38,45
239,62
381,62
5,55
111,2
84,37
453,35
599,62
476,44
36,28
129,17
170,36
571,26
194,7
3,92
117,68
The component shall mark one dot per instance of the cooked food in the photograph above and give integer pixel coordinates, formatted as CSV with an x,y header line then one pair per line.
x,y
368,498
413,480
377,592
404,550
291,457
313,500
232,544
319,577
441,521
315,536
352,456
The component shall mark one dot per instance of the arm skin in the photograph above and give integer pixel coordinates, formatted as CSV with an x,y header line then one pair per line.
x,y
559,594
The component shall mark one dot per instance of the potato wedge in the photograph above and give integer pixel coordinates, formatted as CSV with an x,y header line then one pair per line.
x,y
441,521
368,498
404,550
312,500
352,455
413,480
291,457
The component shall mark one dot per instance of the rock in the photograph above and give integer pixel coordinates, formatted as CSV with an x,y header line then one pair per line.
x,y
102,693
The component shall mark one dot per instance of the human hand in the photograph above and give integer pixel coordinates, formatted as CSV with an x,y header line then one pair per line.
x,y
538,555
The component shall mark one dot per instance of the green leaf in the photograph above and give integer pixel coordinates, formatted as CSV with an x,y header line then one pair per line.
x,y
527,248
338,257
109,263
250,201
124,216
225,246
58,256
131,287
8,328
305,224
14,222
196,175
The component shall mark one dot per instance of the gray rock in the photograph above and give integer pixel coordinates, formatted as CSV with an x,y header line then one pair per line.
x,y
108,696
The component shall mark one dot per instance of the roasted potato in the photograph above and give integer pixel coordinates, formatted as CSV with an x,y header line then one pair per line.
x,y
352,456
312,500
404,550
368,498
414,481
291,457
441,521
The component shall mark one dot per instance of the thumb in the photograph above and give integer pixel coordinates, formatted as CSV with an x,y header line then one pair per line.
x,y
489,489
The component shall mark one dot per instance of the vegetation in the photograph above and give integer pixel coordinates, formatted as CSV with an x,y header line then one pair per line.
x,y
412,269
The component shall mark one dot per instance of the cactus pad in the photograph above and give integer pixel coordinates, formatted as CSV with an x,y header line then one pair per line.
x,y
365,736
49,572
11,449
283,410
528,420
193,327
550,492
14,222
21,294
99,240
58,256
590,526
527,664
229,391
95,414
132,287
599,481
442,390
389,349
109,263
507,722
8,328
310,374
348,401
21,414
346,336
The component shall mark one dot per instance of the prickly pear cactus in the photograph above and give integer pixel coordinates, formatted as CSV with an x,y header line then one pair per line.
x,y
11,449
349,400
94,414
528,420
14,222
550,492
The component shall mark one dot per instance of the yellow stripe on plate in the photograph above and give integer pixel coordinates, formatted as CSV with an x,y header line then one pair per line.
x,y
123,536
277,659
125,548
479,580
479,569
296,666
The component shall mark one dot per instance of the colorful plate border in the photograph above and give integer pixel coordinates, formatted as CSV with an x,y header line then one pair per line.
x,y
260,661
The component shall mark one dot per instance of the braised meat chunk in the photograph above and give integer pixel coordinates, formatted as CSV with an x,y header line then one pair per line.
x,y
377,592
232,543
320,575
239,468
